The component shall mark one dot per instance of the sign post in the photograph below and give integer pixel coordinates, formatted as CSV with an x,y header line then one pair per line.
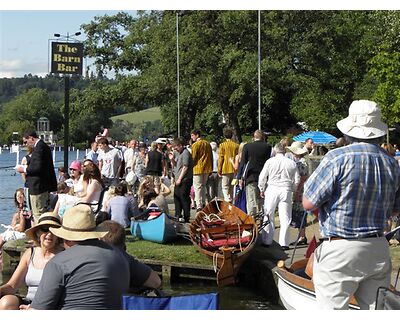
x,y
66,58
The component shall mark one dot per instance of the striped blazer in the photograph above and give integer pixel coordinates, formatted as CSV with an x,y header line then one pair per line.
x,y
202,157
227,149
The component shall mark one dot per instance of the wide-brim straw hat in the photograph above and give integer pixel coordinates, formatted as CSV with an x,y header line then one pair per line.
x,y
297,148
364,121
48,219
79,224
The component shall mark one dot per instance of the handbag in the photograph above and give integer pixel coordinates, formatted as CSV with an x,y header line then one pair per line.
x,y
131,178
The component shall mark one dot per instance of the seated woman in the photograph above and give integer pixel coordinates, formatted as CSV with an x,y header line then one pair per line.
x,y
92,187
77,178
92,183
147,185
120,208
32,263
21,220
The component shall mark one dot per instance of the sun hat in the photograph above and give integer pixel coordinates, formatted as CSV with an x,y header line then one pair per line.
x,y
79,224
297,148
364,121
49,219
76,164
162,140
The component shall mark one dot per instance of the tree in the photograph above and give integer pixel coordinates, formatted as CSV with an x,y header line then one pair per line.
x,y
23,112
314,63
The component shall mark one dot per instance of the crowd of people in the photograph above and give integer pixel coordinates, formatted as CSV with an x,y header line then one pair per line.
x,y
124,181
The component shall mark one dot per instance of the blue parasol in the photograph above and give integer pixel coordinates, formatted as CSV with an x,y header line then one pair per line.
x,y
319,137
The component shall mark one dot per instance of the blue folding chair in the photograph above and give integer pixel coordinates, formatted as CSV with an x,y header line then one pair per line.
x,y
207,301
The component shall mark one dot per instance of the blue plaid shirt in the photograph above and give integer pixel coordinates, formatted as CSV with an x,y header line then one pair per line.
x,y
356,188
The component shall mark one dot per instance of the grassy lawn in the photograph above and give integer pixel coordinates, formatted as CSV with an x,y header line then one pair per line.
x,y
151,114
180,251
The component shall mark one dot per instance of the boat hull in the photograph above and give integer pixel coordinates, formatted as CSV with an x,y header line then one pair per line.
x,y
297,292
161,229
227,258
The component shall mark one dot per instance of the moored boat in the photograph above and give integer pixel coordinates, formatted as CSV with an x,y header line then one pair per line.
x,y
160,229
296,288
226,235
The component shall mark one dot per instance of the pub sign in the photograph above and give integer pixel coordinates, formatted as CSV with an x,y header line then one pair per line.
x,y
66,57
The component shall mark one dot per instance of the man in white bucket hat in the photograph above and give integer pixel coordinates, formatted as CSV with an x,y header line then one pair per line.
x,y
355,188
89,274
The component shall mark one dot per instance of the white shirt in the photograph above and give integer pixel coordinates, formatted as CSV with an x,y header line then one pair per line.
x,y
279,171
129,155
111,162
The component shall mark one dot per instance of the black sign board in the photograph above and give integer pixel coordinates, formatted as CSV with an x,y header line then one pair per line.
x,y
66,57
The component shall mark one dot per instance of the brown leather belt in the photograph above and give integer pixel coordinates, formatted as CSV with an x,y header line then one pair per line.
x,y
374,235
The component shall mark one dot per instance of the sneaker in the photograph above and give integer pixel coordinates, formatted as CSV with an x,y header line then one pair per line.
x,y
181,220
284,248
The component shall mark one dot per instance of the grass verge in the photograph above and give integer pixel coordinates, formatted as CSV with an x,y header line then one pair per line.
x,y
181,251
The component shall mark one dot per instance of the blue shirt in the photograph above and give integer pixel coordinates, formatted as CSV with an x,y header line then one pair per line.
x,y
92,155
356,188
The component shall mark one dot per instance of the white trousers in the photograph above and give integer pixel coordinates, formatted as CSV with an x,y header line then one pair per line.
x,y
343,268
227,188
281,197
200,189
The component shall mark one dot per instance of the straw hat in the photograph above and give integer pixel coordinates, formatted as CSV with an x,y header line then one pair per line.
x,y
79,224
364,121
297,148
48,219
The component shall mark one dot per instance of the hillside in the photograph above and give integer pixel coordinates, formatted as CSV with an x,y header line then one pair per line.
x,y
151,114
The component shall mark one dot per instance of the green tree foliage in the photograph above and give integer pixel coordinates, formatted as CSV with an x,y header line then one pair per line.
x,y
313,65
385,65
23,112
90,111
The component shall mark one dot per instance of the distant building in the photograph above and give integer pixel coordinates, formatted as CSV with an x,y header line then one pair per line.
x,y
44,132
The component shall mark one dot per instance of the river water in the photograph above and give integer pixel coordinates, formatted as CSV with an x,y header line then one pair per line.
x,y
231,298
10,180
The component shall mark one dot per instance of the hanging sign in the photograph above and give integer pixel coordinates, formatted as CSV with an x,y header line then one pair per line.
x,y
66,57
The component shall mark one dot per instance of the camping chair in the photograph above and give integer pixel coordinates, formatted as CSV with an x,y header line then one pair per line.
x,y
206,301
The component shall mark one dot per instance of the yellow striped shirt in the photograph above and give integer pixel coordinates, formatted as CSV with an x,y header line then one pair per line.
x,y
227,149
202,157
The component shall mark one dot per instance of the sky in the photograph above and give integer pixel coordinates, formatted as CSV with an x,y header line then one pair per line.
x,y
26,26
24,37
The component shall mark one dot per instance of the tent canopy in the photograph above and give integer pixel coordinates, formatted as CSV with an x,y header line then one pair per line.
x,y
319,137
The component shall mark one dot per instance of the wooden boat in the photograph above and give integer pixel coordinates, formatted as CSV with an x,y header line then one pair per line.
x,y
160,229
226,235
296,289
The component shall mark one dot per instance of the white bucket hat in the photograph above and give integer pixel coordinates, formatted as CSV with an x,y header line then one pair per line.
x,y
79,224
297,148
364,121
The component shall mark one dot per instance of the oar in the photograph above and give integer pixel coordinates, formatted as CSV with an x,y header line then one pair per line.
x,y
298,237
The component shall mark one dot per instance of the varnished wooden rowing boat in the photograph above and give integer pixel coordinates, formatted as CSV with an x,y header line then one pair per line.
x,y
296,288
226,235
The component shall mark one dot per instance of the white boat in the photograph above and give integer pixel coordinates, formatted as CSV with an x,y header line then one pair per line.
x,y
296,289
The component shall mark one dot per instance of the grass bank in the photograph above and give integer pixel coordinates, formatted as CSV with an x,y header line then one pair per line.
x,y
147,115
181,251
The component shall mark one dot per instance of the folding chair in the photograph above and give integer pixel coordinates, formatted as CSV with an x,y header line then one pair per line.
x,y
207,301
